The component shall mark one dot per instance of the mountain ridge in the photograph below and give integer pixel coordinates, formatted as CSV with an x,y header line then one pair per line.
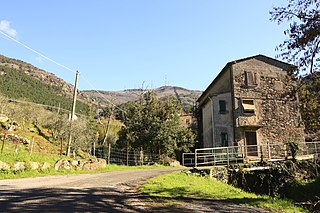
x,y
99,98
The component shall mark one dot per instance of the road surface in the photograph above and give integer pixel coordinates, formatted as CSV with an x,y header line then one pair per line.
x,y
100,192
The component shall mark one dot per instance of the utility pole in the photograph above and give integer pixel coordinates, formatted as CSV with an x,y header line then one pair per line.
x,y
73,112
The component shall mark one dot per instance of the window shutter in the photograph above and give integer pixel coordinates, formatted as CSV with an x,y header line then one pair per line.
x,y
249,78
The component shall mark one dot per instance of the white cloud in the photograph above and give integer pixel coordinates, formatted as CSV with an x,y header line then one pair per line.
x,y
6,28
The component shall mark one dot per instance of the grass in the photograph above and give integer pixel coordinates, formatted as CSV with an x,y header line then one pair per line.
x,y
9,156
11,174
179,184
303,191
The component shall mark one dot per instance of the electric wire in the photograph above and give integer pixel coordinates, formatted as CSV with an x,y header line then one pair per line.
x,y
38,53
61,65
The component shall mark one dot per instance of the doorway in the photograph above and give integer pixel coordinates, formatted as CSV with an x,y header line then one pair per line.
x,y
251,143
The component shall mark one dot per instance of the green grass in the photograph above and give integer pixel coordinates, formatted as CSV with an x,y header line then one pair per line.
x,y
10,174
303,191
23,155
9,156
179,184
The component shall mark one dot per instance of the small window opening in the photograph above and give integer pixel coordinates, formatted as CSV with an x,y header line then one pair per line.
x,y
222,107
224,139
248,106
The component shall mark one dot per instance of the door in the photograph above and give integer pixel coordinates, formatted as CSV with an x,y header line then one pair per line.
x,y
251,143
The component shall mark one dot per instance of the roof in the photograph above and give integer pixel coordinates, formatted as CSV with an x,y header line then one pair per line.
x,y
266,59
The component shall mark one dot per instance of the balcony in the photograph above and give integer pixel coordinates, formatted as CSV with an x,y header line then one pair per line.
x,y
247,121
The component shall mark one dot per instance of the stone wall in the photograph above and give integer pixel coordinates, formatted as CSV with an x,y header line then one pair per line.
x,y
276,105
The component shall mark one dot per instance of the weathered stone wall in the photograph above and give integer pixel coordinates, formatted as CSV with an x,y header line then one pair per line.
x,y
277,117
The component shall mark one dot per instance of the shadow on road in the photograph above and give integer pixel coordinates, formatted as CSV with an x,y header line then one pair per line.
x,y
66,200
107,199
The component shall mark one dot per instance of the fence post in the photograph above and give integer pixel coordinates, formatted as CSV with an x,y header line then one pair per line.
x,y
228,155
32,143
109,150
285,151
4,138
269,151
316,148
261,152
243,153
182,159
195,158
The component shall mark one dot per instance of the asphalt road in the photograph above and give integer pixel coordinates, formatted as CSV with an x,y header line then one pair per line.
x,y
101,192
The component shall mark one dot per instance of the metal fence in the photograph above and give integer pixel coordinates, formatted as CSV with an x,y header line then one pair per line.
x,y
241,154
126,157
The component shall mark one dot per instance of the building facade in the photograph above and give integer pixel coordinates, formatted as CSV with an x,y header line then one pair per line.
x,y
252,101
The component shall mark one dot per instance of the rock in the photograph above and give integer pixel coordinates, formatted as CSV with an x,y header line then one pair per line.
x,y
57,164
26,141
98,163
3,118
174,163
32,130
4,166
62,164
81,163
18,166
45,165
33,165
74,163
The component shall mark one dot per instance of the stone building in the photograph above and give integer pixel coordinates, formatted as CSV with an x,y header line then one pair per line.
x,y
251,102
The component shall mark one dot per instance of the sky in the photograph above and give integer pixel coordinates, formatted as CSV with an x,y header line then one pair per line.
x,y
131,44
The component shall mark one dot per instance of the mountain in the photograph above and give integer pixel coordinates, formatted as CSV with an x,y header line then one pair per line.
x,y
36,73
21,80
186,97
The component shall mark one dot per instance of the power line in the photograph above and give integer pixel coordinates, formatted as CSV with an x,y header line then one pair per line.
x,y
61,65
103,97
38,53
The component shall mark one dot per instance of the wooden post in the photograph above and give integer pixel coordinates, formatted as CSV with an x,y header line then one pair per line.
x,y
16,146
269,151
61,145
109,153
32,143
4,138
127,153
285,152
73,112
94,148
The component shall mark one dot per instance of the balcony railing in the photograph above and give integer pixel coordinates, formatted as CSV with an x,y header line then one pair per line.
x,y
241,154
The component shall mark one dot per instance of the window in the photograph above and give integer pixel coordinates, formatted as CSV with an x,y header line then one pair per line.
x,y
248,106
222,107
250,79
224,139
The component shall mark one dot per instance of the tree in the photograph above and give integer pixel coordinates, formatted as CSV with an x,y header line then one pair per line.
x,y
154,126
310,101
303,43
302,48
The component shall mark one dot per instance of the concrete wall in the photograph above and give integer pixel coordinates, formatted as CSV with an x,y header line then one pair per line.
x,y
213,122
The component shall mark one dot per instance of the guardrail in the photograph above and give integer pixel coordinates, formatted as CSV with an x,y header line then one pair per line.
x,y
240,154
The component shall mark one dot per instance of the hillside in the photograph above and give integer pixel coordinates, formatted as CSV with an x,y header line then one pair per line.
x,y
186,97
20,80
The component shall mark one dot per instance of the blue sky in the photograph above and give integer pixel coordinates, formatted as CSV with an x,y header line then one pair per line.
x,y
124,44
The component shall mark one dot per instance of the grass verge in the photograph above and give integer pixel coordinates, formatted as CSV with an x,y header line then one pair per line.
x,y
179,184
11,174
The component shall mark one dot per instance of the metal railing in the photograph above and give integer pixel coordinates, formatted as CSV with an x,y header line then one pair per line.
x,y
247,153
